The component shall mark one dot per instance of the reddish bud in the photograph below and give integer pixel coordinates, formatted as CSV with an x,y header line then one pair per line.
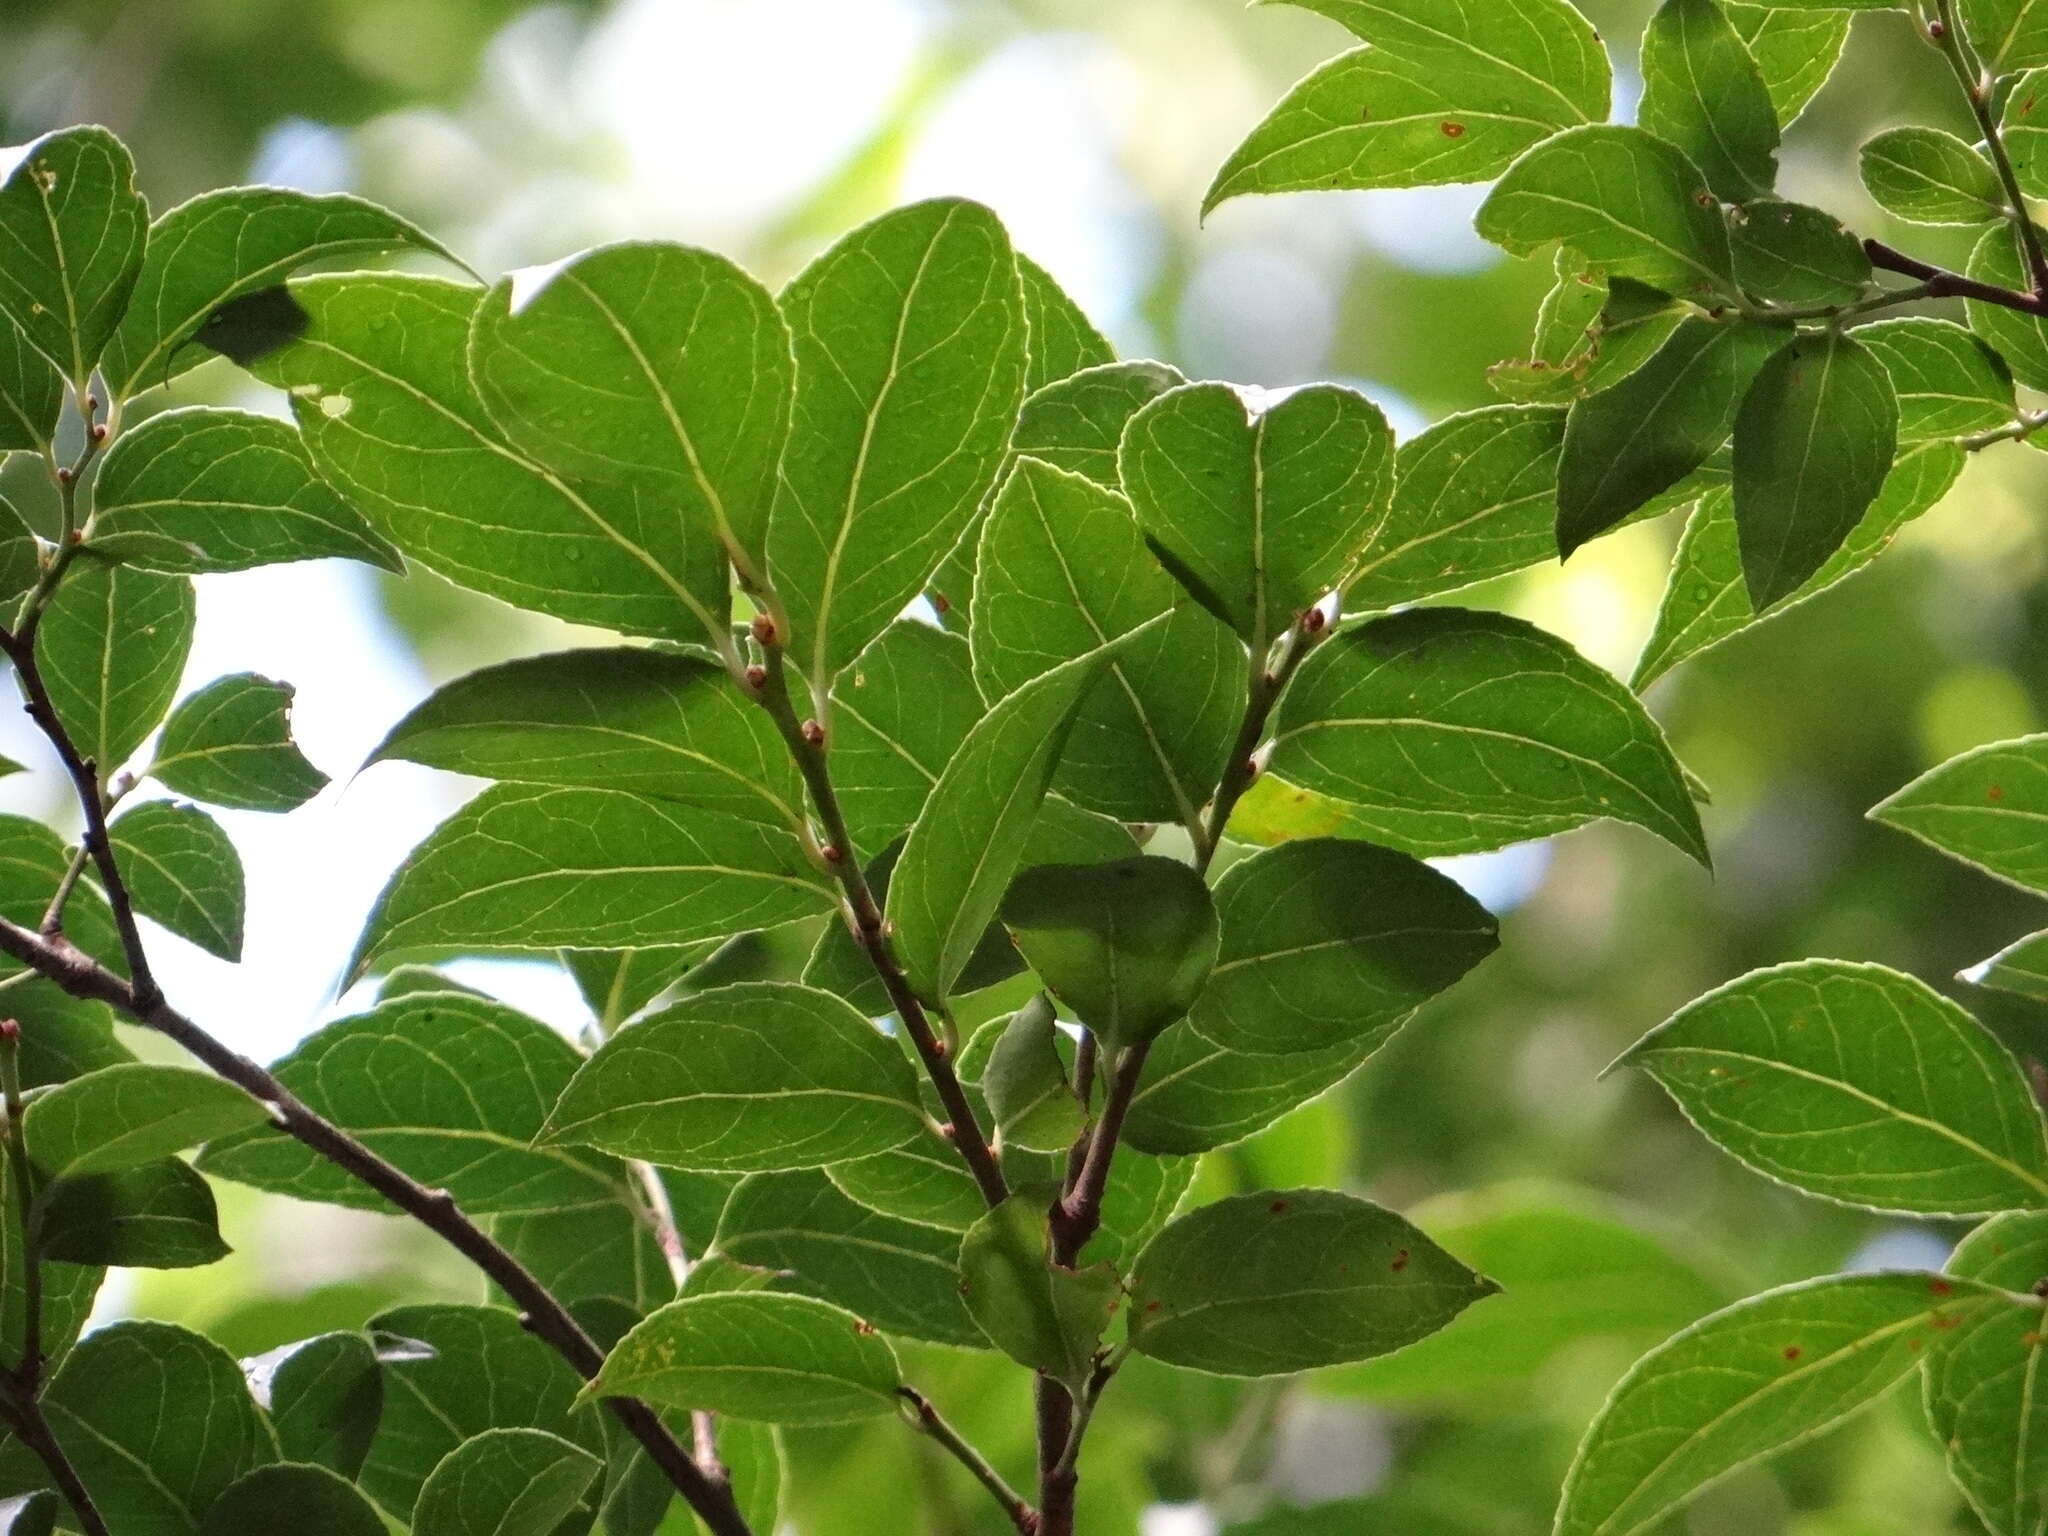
x,y
99,432
10,1030
1937,30
814,733
1313,621
831,853
757,676
764,629
92,403
947,1130
64,475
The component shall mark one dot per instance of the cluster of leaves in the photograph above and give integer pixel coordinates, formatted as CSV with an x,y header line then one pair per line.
x,y
1709,344
1001,683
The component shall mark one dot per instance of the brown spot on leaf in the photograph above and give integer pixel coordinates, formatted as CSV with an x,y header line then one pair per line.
x,y
1995,792
1400,1261
1793,1351
1939,1288
1277,1207
1454,130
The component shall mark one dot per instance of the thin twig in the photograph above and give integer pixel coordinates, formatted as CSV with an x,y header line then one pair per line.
x,y
1976,84
927,1418
1241,767
1078,1214
24,1415
769,685
28,1370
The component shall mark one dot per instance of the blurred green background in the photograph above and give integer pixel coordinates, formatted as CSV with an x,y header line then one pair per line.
x,y
765,128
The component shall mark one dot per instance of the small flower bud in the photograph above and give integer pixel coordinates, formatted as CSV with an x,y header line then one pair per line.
x,y
830,853
947,1131
764,629
99,431
814,733
92,403
1937,30
1313,621
64,475
757,676
10,1030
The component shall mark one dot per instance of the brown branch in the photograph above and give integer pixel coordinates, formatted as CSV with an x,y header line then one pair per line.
x,y
24,1415
60,961
927,1419
769,685
1976,86
1945,284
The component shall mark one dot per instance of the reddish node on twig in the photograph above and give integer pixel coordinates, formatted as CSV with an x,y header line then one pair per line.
x,y
1251,770
757,676
1313,621
99,432
831,853
1937,30
10,1029
814,733
92,402
764,629
64,475
947,1130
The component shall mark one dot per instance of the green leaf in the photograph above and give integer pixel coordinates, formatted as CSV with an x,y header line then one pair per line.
x,y
231,744
1814,441
899,713
2022,340
380,387
1748,1381
1949,383
1271,1283
1329,942
923,1181
646,361
1980,807
1541,55
36,1515
526,867
1140,1200
1077,424
1857,1084
1795,50
183,871
324,1396
1259,516
608,1251
1928,176
204,489
33,864
113,645
618,983
21,561
910,355
1063,340
305,1500
452,1088
1646,433
69,1294
1127,945
1790,253
31,393
1707,600
1702,92
157,1215
1982,1381
756,1355
625,718
961,854
903,1276
1570,1272
1522,737
473,1369
61,1036
505,1482
2024,134
1369,118
1629,203
1197,1095
1039,1313
228,244
1475,496
1030,1094
72,227
752,1077
2020,968
1063,571
158,1423
2008,34
132,1113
